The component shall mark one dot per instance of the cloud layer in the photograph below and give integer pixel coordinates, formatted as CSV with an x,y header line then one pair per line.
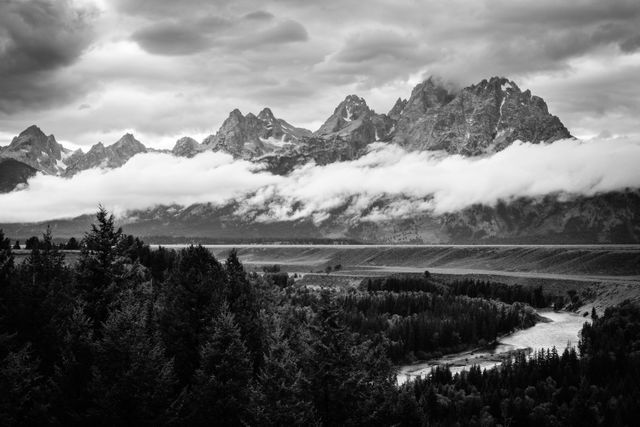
x,y
37,39
409,183
164,68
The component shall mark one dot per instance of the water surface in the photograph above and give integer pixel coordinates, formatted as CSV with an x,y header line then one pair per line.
x,y
561,331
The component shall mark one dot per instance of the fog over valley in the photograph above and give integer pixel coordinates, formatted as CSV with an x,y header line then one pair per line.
x,y
410,182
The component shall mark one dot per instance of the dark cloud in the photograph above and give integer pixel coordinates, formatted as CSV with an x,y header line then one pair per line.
x,y
377,57
556,14
300,57
259,15
378,45
168,8
37,38
171,39
187,35
283,32
631,45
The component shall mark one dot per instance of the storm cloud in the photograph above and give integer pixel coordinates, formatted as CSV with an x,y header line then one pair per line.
x,y
423,183
37,39
196,60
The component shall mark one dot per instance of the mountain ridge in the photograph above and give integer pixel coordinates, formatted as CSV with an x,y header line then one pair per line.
x,y
476,120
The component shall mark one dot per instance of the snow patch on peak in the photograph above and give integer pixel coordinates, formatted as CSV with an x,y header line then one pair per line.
x,y
277,142
349,113
506,85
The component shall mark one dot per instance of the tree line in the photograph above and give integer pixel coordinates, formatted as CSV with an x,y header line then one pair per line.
x,y
531,295
34,242
133,335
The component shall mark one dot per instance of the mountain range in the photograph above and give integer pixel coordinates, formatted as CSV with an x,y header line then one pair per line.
x,y
473,121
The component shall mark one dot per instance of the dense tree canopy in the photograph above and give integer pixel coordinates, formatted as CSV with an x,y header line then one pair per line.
x,y
139,336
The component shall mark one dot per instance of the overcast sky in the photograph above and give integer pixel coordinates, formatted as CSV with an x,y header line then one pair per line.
x,y
89,70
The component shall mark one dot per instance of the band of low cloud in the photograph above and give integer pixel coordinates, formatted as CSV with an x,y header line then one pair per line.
x,y
410,183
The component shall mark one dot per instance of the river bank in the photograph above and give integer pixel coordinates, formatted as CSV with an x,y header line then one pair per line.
x,y
561,329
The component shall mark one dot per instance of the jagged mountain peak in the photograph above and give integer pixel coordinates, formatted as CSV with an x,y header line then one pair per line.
x,y
353,121
397,108
128,140
252,136
267,115
496,84
34,148
186,147
97,147
354,99
235,115
481,118
33,130
430,93
477,119
186,140
352,108
101,156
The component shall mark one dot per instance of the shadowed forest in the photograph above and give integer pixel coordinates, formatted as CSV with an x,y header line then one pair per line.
x,y
130,335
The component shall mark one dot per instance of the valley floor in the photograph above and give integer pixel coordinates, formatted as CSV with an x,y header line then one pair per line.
x,y
602,275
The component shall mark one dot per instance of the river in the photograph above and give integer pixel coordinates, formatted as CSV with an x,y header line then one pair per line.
x,y
560,331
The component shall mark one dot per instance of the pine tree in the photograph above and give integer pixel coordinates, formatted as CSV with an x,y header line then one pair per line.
x,y
189,301
282,384
6,260
95,272
31,243
44,300
132,380
72,244
45,263
221,392
243,303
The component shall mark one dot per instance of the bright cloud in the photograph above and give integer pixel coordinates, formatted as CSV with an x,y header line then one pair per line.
x,y
409,183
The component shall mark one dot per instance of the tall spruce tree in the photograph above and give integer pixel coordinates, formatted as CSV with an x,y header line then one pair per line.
x,y
133,380
6,260
189,299
243,302
95,272
282,383
222,392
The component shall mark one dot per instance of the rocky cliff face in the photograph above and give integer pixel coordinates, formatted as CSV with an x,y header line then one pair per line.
x,y
186,147
279,130
355,122
110,157
475,120
32,147
397,109
478,119
252,136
